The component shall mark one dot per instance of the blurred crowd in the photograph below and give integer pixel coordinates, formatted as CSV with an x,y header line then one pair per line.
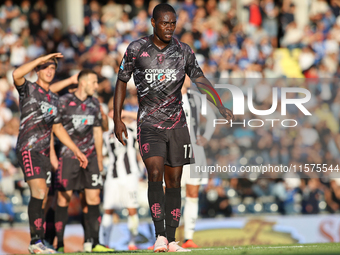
x,y
245,43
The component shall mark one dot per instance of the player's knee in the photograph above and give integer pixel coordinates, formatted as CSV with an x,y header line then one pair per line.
x,y
173,184
155,175
38,193
63,202
63,199
93,200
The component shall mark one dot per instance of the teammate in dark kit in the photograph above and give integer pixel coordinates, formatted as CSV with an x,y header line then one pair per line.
x,y
81,117
159,64
39,115
51,202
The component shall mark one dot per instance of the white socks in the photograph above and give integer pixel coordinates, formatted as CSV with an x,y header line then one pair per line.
x,y
133,222
190,216
107,227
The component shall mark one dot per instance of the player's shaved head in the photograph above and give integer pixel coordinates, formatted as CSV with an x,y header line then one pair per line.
x,y
84,73
161,8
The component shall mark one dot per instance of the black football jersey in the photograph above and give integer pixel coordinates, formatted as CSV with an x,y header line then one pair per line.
x,y
38,112
78,118
159,76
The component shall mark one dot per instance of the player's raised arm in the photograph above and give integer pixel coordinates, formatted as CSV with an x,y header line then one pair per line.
x,y
120,94
58,86
205,87
21,71
63,136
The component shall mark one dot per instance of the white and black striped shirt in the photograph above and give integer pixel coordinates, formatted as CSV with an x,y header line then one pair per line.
x,y
122,159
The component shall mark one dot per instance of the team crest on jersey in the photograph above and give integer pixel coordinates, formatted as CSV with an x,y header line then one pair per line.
x,y
160,58
146,147
83,107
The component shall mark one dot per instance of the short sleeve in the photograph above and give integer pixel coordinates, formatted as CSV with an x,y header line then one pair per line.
x,y
128,62
23,90
192,69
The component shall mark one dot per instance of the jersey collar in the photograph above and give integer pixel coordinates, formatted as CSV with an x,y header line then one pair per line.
x,y
160,50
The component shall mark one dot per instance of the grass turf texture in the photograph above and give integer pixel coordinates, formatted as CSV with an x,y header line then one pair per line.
x,y
298,249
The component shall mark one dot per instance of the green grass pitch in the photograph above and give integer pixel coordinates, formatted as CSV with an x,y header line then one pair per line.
x,y
298,249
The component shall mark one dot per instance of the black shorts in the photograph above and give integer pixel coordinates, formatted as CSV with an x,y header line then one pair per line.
x,y
57,149
35,165
171,144
70,176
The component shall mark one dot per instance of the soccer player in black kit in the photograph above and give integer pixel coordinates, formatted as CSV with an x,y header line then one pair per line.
x,y
81,116
38,118
159,63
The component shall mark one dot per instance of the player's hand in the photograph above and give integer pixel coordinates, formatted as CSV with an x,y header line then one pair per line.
x,y
226,113
74,79
49,56
120,128
82,158
201,140
100,163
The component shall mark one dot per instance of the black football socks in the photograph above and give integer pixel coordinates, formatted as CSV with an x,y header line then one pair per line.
x,y
50,229
94,219
35,217
61,218
156,203
172,211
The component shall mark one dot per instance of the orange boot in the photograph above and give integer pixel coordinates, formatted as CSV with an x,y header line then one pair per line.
x,y
189,244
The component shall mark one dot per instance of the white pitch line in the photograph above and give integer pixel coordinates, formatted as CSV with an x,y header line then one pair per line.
x,y
211,249
278,247
240,248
